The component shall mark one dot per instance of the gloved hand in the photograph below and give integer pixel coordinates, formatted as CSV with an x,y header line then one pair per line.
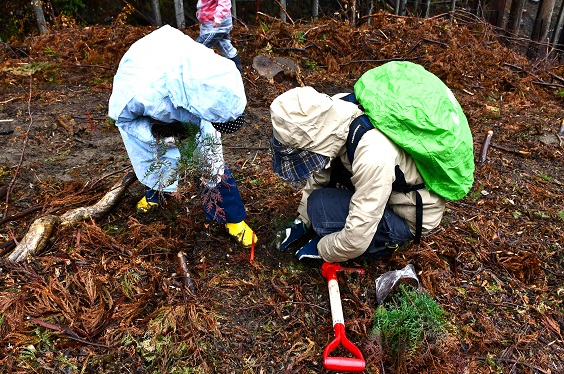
x,y
309,250
290,234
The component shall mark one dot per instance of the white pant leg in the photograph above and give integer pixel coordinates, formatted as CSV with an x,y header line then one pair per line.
x,y
209,154
155,171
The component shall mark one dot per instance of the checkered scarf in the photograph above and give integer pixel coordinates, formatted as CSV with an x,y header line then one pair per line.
x,y
293,164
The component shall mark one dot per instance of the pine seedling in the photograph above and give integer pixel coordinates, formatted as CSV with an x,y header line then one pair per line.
x,y
201,160
409,320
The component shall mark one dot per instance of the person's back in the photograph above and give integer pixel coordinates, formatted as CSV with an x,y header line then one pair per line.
x,y
371,218
166,80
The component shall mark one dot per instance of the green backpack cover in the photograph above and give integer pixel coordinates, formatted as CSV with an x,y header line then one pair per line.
x,y
419,113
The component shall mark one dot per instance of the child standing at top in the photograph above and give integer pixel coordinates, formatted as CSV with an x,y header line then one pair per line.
x,y
216,23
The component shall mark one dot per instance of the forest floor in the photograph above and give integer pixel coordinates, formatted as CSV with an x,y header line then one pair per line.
x,y
106,296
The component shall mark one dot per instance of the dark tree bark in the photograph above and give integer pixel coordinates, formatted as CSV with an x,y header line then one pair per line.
x,y
283,10
557,34
495,16
179,12
315,9
515,15
539,36
156,12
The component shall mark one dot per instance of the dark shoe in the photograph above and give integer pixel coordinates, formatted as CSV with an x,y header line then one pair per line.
x,y
237,62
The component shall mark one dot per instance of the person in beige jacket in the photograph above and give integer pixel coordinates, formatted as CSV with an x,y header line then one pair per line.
x,y
368,218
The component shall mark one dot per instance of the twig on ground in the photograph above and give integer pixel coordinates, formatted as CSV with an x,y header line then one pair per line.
x,y
547,84
7,247
485,147
67,331
184,272
21,214
383,60
93,184
515,151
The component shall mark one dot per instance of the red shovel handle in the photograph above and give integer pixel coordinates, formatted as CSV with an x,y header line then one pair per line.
x,y
343,363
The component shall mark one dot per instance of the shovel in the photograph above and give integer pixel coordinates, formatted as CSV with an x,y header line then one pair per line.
x,y
329,272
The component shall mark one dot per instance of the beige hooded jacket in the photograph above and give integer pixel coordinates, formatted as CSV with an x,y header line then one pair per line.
x,y
306,119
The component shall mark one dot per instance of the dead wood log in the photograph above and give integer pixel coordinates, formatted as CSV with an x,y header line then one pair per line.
x,y
42,229
36,237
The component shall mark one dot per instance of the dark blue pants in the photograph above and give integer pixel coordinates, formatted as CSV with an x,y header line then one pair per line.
x,y
328,209
223,203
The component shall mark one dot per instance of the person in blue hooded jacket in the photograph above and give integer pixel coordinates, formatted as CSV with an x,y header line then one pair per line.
x,y
165,80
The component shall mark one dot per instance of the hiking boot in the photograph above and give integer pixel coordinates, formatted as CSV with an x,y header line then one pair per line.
x,y
241,233
152,200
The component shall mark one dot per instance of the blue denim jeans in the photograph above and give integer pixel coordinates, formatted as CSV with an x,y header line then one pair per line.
x,y
218,37
328,209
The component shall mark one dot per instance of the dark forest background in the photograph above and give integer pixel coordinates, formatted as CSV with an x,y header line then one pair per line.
x,y
531,26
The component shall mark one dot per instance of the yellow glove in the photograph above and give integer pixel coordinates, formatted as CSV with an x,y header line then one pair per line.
x,y
242,233
144,206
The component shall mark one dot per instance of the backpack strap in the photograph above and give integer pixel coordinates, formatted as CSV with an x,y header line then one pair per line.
x,y
358,128
400,185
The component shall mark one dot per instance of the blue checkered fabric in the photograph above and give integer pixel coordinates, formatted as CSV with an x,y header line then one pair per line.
x,y
293,164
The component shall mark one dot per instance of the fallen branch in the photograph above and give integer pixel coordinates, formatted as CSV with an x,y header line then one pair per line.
x,y
21,214
560,134
515,151
7,247
184,272
485,147
67,331
382,60
547,84
41,229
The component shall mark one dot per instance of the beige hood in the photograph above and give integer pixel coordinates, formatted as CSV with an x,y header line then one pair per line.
x,y
306,119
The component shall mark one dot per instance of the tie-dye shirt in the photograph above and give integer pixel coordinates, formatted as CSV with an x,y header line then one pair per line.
x,y
213,10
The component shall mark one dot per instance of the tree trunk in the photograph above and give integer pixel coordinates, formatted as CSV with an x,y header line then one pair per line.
x,y
496,13
557,33
315,9
370,10
427,8
538,45
39,16
234,8
403,4
282,10
156,12
477,6
179,12
515,15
